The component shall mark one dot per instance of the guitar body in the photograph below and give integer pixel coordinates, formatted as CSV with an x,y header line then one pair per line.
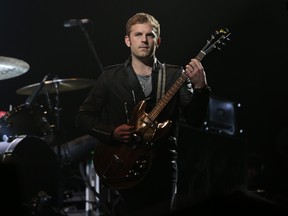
x,y
123,165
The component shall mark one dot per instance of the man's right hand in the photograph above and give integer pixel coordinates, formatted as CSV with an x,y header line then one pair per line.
x,y
123,133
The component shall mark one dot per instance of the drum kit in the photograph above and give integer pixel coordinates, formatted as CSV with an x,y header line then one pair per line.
x,y
24,129
31,118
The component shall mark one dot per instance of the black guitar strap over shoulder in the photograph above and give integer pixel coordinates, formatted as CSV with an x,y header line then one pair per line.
x,y
161,82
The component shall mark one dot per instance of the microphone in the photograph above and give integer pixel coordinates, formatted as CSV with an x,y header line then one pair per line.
x,y
75,22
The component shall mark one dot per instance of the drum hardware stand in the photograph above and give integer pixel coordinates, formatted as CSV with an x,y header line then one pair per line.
x,y
57,110
58,138
36,92
48,100
97,198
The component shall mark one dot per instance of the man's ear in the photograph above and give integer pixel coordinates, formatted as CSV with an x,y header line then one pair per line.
x,y
158,41
127,41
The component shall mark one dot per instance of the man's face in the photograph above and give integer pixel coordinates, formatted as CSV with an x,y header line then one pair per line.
x,y
142,40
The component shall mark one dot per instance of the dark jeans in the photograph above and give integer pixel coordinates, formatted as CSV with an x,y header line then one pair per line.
x,y
154,195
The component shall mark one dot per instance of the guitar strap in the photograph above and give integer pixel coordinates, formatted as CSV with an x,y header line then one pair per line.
x,y
161,82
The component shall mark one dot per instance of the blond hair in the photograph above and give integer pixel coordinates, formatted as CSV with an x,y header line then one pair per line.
x,y
140,18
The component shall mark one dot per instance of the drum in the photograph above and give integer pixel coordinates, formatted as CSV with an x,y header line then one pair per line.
x,y
2,113
25,120
32,165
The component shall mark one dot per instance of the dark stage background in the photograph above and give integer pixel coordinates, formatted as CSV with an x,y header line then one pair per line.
x,y
251,69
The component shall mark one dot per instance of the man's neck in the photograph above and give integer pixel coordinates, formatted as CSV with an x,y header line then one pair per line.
x,y
142,68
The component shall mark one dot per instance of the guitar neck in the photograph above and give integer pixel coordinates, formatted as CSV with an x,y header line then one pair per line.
x,y
172,91
214,42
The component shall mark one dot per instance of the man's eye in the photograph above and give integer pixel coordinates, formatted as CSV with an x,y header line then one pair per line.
x,y
151,35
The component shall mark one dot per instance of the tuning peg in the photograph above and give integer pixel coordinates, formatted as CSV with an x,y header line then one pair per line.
x,y
224,31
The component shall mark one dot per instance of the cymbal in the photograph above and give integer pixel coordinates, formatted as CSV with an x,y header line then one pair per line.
x,y
63,85
11,67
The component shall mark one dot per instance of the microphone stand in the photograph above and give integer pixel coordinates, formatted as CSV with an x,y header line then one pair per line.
x,y
90,43
99,195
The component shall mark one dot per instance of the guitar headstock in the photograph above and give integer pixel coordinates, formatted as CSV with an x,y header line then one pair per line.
x,y
217,40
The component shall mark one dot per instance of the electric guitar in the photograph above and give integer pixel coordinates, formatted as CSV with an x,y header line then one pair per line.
x,y
122,166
